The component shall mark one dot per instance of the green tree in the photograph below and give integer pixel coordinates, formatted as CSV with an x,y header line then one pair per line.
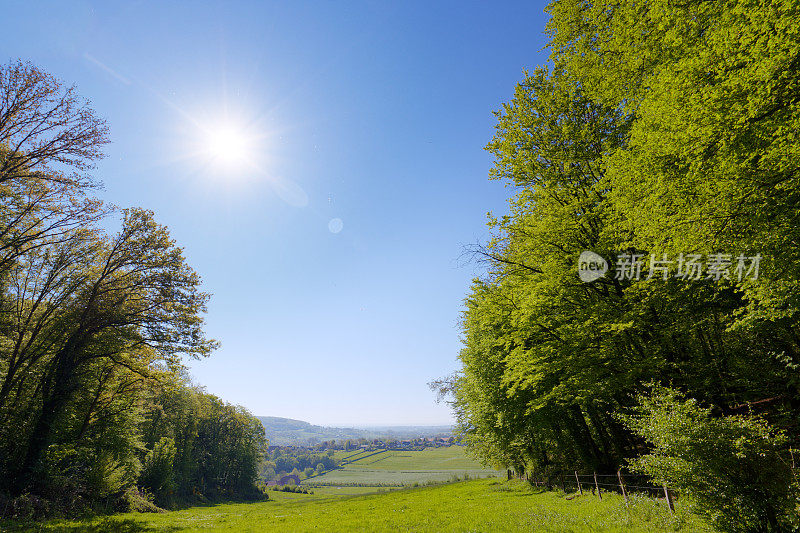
x,y
134,303
537,382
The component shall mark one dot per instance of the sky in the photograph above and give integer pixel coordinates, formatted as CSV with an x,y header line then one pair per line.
x,y
322,166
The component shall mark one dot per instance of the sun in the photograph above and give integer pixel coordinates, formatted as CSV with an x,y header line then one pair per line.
x,y
228,146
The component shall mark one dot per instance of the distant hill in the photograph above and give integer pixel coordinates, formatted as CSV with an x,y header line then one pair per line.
x,y
287,431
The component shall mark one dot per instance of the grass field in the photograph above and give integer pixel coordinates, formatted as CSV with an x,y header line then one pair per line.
x,y
350,456
444,458
477,506
392,467
382,478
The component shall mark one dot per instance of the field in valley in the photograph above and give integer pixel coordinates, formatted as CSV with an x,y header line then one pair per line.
x,y
489,505
400,467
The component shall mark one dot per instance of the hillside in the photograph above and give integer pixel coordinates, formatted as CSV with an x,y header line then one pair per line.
x,y
288,431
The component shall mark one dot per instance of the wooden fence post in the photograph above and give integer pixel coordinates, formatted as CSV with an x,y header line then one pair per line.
x,y
622,485
597,486
580,490
669,499
563,488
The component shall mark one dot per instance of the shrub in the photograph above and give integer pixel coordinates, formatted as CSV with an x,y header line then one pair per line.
x,y
292,488
732,468
139,501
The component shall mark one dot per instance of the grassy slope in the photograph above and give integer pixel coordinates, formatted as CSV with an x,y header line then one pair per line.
x,y
341,454
484,505
429,459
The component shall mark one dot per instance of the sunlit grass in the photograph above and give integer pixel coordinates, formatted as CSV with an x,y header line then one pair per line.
x,y
483,505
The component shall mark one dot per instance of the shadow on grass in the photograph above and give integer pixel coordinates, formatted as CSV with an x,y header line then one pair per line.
x,y
110,523
115,525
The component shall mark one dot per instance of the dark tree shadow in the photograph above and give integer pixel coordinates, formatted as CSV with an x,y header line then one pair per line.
x,y
107,525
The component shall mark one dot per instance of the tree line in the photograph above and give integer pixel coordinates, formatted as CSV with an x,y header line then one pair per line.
x,y
96,412
300,462
663,138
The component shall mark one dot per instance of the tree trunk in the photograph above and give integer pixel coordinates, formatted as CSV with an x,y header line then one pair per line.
x,y
57,394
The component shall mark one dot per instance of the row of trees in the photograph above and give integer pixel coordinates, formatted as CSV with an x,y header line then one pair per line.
x,y
661,130
93,326
289,461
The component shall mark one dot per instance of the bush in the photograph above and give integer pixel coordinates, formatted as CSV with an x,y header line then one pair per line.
x,y
732,469
292,488
26,506
157,470
139,501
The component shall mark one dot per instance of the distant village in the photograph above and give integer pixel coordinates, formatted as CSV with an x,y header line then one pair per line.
x,y
375,444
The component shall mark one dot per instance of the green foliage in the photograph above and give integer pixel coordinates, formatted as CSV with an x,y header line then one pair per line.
x,y
282,461
710,163
734,469
215,447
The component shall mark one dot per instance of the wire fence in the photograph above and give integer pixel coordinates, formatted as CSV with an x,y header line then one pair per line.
x,y
594,483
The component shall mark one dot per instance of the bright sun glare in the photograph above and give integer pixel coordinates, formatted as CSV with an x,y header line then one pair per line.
x,y
228,146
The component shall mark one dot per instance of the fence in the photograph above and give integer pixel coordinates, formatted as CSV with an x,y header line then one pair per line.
x,y
621,483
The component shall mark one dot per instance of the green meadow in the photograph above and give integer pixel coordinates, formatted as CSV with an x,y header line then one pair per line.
x,y
488,505
444,458
397,468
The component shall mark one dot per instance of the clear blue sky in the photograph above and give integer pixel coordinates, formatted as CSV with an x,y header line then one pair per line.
x,y
372,113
